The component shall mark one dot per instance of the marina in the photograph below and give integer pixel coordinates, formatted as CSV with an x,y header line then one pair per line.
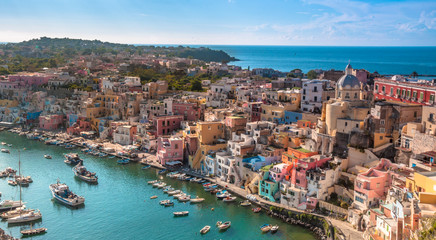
x,y
123,197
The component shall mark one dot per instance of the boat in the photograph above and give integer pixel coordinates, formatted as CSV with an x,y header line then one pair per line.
x,y
152,182
245,203
225,226
181,214
196,200
229,199
12,183
62,193
102,154
161,185
4,174
168,189
22,181
87,176
10,170
256,210
123,161
47,156
153,197
34,231
215,191
162,171
72,158
9,145
4,144
184,198
15,212
146,167
173,192
179,195
4,150
164,201
218,223
265,228
222,194
156,184
274,228
10,204
205,229
202,181
168,204
27,217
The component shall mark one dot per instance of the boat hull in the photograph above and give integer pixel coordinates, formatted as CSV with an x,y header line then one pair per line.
x,y
65,201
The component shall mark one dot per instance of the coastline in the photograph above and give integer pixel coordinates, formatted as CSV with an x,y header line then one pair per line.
x,y
295,219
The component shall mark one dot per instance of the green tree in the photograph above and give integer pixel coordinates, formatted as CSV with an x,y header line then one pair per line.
x,y
311,74
196,85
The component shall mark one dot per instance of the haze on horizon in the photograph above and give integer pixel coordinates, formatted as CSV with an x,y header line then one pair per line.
x,y
225,22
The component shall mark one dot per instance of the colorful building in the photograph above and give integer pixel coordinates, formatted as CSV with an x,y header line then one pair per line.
x,y
169,149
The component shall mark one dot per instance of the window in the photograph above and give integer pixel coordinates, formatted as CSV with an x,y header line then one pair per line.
x,y
383,89
176,146
414,94
382,130
346,124
357,125
415,114
398,91
376,88
355,95
382,122
392,90
403,93
421,96
315,99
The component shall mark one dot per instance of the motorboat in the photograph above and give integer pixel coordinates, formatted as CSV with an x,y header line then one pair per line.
x,y
222,194
82,173
15,212
10,204
274,228
229,199
162,171
12,183
265,228
169,204
164,201
225,225
4,144
4,174
23,181
123,161
174,192
61,192
161,185
152,182
245,203
179,195
256,210
4,150
168,189
72,158
196,200
27,217
156,183
47,156
146,167
184,198
205,229
34,231
181,214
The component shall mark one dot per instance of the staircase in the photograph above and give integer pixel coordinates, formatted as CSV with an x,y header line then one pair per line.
x,y
196,160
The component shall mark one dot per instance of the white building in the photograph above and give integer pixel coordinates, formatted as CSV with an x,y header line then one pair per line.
x,y
311,96
122,135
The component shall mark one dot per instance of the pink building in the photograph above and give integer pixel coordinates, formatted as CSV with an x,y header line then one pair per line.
x,y
81,125
51,122
299,169
169,150
167,124
190,111
30,79
278,172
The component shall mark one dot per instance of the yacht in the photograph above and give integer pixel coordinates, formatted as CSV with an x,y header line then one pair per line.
x,y
27,217
10,204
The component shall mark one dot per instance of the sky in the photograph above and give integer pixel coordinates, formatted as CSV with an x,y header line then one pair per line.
x,y
224,22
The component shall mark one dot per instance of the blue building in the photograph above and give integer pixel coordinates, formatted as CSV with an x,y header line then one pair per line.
x,y
290,117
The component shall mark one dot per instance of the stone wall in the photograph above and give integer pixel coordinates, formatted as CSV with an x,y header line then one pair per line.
x,y
423,143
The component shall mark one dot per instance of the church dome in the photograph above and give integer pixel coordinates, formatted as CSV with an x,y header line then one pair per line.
x,y
348,81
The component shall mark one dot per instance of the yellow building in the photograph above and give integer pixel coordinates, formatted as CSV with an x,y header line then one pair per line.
x,y
422,182
272,112
8,103
210,132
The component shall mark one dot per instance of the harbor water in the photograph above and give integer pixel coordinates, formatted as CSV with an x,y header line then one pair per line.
x,y
119,206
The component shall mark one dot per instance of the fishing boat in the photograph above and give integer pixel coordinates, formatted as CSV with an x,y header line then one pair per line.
x,y
169,204
152,182
27,217
274,228
205,229
123,161
62,193
256,210
10,204
229,199
153,197
34,231
196,200
181,214
245,203
171,193
87,176
72,158
225,225
4,150
47,156
265,228
146,167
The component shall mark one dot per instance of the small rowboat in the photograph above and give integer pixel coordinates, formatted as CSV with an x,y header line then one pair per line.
x,y
163,202
225,225
153,197
34,231
265,228
274,228
205,229
181,214
146,167
12,183
168,204
229,199
184,198
256,210
47,156
197,200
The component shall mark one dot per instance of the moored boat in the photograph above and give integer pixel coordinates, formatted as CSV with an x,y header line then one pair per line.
x,y
34,231
184,198
162,171
265,228
152,182
10,204
72,158
181,214
14,212
12,183
256,210
229,199
205,229
123,161
245,203
173,192
164,201
47,156
146,167
274,228
87,176
225,226
153,197
27,217
62,193
196,200
4,150
168,204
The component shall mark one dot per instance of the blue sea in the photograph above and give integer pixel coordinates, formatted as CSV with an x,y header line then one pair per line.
x,y
384,60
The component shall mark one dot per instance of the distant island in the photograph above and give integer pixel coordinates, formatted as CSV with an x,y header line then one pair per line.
x,y
46,47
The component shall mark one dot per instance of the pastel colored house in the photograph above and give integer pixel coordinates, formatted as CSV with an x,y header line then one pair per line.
x,y
290,117
255,163
269,189
124,134
51,122
296,153
190,111
278,172
169,150
210,132
166,125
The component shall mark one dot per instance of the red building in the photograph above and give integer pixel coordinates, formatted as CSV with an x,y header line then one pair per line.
x,y
405,91
190,111
167,124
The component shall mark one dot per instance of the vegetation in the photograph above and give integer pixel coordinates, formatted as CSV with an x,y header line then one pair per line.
x,y
430,229
311,74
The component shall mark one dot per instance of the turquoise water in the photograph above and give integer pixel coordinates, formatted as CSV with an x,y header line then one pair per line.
x,y
119,207
385,60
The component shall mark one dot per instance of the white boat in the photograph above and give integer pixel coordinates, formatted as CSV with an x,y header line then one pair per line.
x,y
4,150
47,156
173,192
184,198
82,173
246,203
163,202
12,183
28,217
180,214
10,204
4,144
152,182
205,229
156,184
274,228
33,231
13,213
196,200
4,174
168,189
179,194
62,193
161,185
229,199
225,225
